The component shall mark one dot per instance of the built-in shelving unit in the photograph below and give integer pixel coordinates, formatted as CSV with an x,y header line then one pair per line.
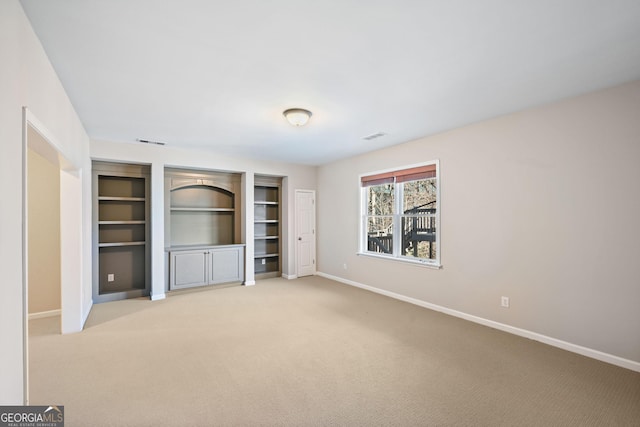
x,y
202,227
121,230
267,226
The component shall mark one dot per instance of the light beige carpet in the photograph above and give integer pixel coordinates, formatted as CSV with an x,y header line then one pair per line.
x,y
313,352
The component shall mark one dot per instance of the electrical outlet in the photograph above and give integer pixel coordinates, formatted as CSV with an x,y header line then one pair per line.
x,y
111,277
504,302
264,261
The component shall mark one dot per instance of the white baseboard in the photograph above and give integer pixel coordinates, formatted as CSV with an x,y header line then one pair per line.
x,y
584,351
43,314
158,297
249,282
290,276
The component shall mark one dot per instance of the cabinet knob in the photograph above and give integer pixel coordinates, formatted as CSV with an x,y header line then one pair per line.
x,y
299,238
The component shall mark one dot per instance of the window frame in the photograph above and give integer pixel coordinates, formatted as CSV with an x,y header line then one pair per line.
x,y
397,216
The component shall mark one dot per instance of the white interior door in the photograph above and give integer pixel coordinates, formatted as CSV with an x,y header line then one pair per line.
x,y
305,232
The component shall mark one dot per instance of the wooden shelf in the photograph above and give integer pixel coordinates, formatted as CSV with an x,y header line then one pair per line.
x,y
266,255
266,221
120,222
120,199
115,244
202,209
265,237
261,202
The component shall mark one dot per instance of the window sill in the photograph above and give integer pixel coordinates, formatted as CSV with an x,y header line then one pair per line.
x,y
426,264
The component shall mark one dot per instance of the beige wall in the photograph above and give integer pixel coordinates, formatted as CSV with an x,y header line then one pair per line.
x,y
542,206
44,232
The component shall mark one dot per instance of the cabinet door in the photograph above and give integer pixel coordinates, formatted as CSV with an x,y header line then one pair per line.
x,y
188,269
227,265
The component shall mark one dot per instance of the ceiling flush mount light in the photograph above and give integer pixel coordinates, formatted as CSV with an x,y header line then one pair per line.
x,y
297,116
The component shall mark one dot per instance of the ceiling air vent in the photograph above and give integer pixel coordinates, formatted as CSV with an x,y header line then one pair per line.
x,y
374,136
146,141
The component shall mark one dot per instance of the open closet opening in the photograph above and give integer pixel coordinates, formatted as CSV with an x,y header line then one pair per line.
x,y
43,234
51,239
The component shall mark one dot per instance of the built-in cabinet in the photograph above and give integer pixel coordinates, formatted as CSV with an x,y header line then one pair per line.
x,y
206,266
121,249
267,226
202,228
203,217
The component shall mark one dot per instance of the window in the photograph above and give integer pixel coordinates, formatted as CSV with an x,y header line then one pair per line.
x,y
401,214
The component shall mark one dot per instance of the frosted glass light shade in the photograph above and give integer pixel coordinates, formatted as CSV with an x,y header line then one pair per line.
x,y
297,116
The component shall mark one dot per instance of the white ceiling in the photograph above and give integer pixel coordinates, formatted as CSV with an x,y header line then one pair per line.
x,y
218,74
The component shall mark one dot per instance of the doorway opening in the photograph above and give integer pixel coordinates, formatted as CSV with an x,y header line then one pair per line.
x,y
51,237
43,235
